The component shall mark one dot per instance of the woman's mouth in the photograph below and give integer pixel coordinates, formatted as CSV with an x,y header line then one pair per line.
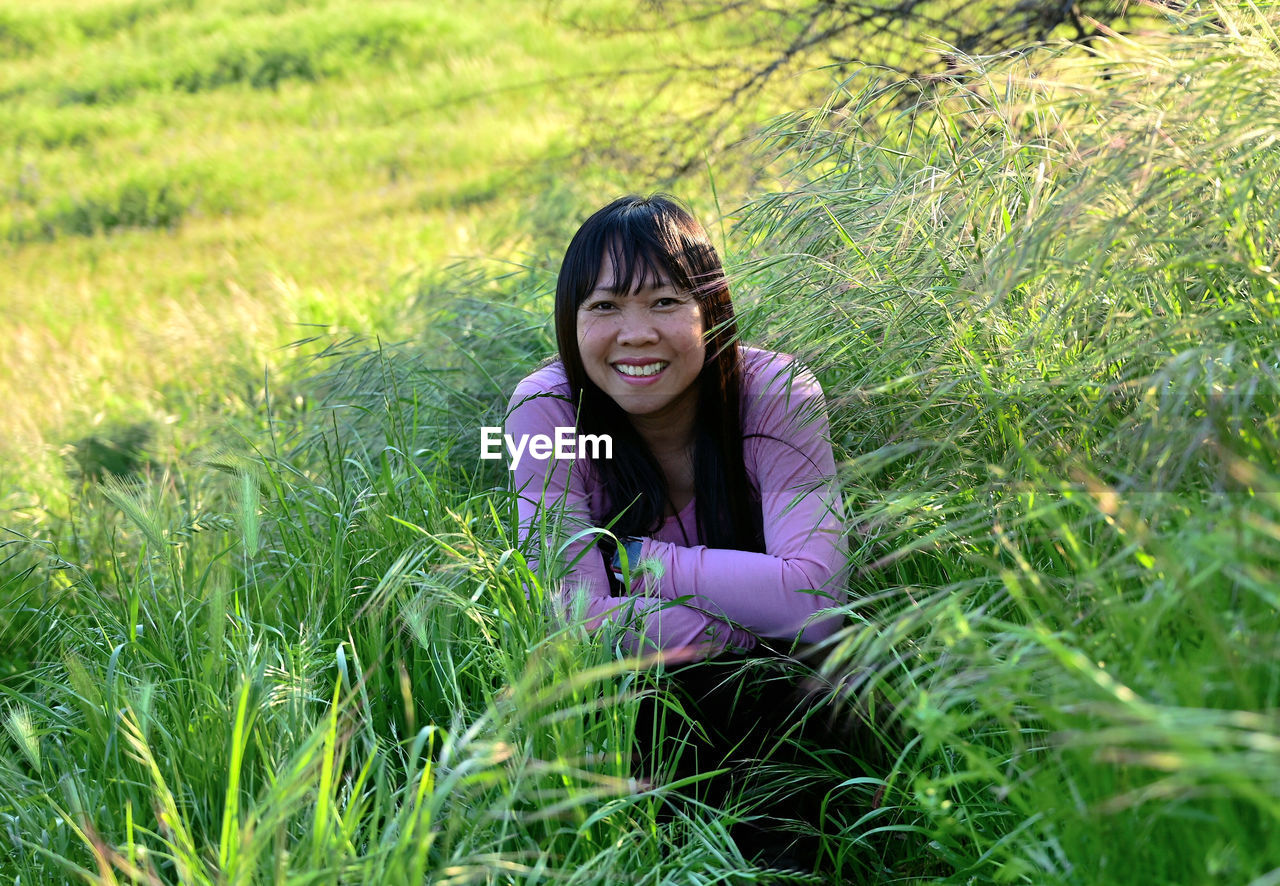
x,y
641,370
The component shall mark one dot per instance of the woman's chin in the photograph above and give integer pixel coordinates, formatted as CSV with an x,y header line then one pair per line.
x,y
638,407
658,406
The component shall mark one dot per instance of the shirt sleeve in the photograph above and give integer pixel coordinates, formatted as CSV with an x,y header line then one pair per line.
x,y
803,569
555,516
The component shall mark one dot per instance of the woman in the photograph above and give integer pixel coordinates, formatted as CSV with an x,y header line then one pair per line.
x,y
720,489
721,480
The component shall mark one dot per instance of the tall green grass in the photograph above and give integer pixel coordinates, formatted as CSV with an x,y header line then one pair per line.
x,y
326,660
350,686
1047,311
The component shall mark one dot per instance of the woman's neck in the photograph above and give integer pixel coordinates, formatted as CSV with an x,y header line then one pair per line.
x,y
669,432
662,438
673,451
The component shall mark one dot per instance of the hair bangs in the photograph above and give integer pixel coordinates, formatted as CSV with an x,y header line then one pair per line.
x,y
636,264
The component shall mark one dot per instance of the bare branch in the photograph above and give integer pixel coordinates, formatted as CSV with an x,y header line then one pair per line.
x,y
919,41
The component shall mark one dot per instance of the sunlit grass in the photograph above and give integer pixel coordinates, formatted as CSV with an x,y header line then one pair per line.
x,y
1048,315
171,220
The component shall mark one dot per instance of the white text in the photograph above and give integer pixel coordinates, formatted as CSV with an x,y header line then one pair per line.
x,y
567,443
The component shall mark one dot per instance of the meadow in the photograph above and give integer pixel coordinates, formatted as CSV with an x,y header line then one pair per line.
x,y
190,187
294,643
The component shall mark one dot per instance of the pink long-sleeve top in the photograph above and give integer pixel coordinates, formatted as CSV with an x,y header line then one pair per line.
x,y
695,598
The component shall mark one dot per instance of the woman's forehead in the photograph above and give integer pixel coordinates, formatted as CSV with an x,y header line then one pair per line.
x,y
641,273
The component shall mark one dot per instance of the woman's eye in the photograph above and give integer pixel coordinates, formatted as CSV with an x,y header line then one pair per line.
x,y
601,307
667,302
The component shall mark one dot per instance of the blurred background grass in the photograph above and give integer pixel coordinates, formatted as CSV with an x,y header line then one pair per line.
x,y
187,187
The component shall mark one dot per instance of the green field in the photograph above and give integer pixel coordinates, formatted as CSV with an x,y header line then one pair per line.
x,y
190,186
264,610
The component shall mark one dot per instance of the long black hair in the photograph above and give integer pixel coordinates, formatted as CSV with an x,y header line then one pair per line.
x,y
649,237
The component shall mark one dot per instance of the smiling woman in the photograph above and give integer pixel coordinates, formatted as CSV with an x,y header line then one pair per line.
x,y
725,536
721,480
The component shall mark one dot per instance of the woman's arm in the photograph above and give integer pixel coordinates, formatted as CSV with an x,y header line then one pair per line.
x,y
554,506
802,571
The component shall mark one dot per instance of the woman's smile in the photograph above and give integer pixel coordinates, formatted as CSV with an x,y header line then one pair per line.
x,y
641,372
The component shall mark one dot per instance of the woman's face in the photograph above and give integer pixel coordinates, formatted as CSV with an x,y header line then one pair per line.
x,y
644,348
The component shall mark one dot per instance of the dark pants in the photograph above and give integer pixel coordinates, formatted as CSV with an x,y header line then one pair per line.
x,y
739,709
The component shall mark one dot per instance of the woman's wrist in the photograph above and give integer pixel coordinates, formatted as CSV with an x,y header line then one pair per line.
x,y
630,546
626,558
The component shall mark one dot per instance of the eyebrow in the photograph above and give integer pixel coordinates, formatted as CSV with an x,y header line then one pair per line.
x,y
619,290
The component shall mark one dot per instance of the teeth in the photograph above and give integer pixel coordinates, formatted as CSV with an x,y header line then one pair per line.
x,y
640,371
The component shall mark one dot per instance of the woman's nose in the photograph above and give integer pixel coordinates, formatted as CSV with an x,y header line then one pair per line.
x,y
636,329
